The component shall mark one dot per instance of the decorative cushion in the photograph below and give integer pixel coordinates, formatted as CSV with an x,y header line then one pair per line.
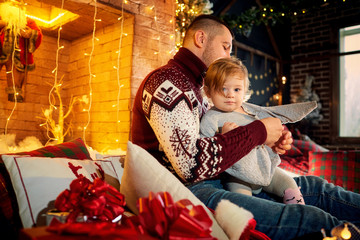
x,y
296,160
143,173
298,165
37,181
306,146
74,149
341,168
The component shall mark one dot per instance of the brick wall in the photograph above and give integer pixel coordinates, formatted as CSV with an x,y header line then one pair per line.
x,y
147,46
313,43
107,123
152,46
149,35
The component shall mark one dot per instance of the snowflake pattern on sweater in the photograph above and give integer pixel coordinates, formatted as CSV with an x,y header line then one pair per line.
x,y
172,109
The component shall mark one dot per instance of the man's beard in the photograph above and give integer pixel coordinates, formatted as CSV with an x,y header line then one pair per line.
x,y
208,54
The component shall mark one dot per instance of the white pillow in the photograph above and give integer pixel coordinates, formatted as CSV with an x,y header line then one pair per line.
x,y
144,174
38,181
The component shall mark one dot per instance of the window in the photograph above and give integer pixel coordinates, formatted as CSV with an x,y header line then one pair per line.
x,y
349,82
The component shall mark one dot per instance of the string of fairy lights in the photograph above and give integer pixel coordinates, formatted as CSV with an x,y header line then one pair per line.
x,y
13,86
91,75
117,67
277,12
121,19
152,8
55,72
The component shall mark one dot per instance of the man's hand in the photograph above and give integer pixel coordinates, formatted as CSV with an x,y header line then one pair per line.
x,y
284,143
228,126
274,130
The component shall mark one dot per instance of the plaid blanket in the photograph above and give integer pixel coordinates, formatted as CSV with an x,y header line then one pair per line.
x,y
341,168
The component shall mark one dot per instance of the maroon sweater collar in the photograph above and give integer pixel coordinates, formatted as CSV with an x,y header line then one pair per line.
x,y
191,64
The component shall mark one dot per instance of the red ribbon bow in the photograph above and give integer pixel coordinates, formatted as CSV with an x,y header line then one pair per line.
x,y
164,219
159,218
97,200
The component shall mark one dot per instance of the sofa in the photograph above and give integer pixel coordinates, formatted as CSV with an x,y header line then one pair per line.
x,y
31,181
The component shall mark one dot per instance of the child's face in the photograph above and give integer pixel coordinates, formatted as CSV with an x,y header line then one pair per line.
x,y
234,91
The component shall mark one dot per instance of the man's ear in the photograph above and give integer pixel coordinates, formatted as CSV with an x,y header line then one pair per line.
x,y
200,38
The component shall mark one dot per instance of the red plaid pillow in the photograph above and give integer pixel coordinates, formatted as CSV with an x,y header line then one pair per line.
x,y
74,149
341,168
297,164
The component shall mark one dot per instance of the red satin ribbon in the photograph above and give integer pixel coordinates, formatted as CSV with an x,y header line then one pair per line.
x,y
97,200
162,218
159,218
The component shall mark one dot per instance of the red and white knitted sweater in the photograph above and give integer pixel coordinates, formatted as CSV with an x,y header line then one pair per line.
x,y
166,114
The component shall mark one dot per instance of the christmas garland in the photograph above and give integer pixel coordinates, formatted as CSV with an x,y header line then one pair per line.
x,y
278,12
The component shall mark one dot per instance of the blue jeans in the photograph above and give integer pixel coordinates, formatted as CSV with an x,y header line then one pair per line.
x,y
326,207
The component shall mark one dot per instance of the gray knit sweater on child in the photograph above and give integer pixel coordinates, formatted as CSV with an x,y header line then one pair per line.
x,y
259,165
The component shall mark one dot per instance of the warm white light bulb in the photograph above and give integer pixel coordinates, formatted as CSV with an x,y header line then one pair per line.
x,y
345,233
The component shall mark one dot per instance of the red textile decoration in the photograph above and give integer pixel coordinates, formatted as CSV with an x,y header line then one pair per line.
x,y
159,218
164,219
106,230
96,200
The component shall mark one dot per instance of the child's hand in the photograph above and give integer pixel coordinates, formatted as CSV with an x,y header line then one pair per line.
x,y
284,143
228,126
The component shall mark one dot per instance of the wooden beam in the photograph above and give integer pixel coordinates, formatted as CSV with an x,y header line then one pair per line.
x,y
227,7
255,51
322,57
